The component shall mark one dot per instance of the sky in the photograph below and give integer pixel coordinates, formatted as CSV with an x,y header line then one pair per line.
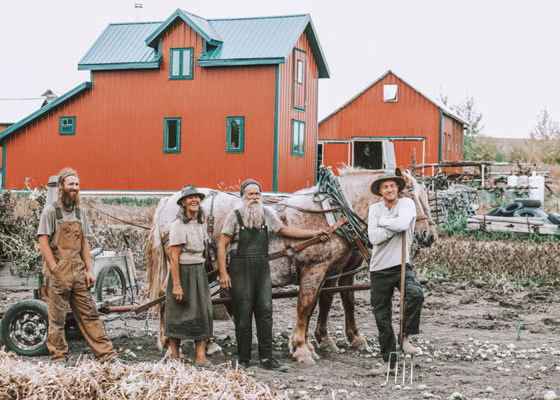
x,y
502,53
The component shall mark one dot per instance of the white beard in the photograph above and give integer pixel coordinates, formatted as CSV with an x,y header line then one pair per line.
x,y
253,214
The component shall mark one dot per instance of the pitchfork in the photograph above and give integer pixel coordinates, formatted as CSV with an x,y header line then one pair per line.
x,y
399,354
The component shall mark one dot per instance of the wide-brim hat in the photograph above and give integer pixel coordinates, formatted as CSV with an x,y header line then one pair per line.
x,y
388,176
190,190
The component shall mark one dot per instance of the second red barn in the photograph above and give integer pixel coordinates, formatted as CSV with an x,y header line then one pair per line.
x,y
388,114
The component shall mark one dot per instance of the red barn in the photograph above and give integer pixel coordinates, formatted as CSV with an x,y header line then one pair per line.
x,y
390,110
188,100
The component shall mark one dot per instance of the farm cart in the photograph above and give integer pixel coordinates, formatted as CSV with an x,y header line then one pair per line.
x,y
24,326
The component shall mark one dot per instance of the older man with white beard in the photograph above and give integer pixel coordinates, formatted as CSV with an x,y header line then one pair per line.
x,y
248,273
68,272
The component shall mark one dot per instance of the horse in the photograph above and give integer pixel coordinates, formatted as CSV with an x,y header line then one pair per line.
x,y
314,264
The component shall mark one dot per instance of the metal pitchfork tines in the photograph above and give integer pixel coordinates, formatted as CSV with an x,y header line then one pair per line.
x,y
400,354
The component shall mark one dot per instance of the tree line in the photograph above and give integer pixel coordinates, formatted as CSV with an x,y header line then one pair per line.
x,y
543,145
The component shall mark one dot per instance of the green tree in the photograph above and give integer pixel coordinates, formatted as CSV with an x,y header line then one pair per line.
x,y
545,139
474,131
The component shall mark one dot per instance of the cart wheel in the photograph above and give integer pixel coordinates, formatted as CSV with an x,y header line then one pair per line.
x,y
111,283
71,329
25,327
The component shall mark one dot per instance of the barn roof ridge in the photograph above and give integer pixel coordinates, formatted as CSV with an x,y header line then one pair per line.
x,y
387,73
233,41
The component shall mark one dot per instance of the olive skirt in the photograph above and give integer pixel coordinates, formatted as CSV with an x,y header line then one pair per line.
x,y
190,318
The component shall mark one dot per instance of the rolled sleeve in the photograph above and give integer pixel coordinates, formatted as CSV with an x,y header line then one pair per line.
x,y
273,223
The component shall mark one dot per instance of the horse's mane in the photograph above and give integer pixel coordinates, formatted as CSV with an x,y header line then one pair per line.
x,y
347,170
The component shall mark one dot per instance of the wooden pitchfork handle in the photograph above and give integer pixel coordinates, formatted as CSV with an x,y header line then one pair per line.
x,y
403,280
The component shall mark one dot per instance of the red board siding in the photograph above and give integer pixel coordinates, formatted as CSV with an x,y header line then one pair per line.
x,y
413,115
296,172
335,154
118,143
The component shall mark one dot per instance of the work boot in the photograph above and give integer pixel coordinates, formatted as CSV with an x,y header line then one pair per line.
x,y
243,364
381,371
273,365
117,360
408,348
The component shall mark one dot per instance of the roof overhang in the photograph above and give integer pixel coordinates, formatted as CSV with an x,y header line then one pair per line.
x,y
155,64
49,107
242,61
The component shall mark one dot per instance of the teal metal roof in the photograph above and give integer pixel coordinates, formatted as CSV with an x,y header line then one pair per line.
x,y
199,24
122,46
240,41
43,110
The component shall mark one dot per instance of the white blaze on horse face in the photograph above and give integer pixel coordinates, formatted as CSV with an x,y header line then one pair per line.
x,y
389,190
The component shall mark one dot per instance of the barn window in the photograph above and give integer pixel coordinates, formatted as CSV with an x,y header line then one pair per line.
x,y
298,138
235,134
300,71
181,63
390,93
172,135
67,126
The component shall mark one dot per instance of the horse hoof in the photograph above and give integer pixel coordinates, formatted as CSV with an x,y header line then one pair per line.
x,y
363,347
315,356
331,348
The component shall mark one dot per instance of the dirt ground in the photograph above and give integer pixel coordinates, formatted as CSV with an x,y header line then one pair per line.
x,y
481,342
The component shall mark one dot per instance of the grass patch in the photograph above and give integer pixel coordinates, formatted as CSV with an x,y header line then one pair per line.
x,y
130,201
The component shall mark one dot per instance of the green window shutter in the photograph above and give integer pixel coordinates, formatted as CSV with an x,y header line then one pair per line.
x,y
235,134
181,63
172,135
67,126
298,138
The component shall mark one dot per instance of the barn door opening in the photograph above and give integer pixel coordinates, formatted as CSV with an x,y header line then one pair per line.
x,y
368,155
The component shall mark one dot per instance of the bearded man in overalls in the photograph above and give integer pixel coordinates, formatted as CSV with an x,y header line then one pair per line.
x,y
248,273
68,272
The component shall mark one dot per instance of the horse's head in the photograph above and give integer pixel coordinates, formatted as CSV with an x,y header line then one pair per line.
x,y
424,228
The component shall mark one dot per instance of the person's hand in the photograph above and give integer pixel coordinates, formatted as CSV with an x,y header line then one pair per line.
x,y
51,267
225,281
323,234
178,292
90,279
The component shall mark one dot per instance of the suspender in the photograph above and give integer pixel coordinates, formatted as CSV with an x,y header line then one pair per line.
x,y
58,210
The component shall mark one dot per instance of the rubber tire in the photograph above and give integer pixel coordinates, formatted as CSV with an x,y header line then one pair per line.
x,y
510,209
554,218
71,329
495,212
527,212
37,307
102,276
536,203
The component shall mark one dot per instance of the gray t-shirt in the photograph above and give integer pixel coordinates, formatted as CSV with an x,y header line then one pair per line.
x,y
191,237
47,223
231,227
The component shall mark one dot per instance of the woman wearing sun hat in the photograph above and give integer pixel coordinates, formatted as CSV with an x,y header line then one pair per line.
x,y
188,307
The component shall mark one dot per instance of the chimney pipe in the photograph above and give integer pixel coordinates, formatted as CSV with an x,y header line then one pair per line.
x,y
138,7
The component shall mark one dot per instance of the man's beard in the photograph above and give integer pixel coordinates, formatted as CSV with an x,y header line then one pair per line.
x,y
70,198
253,214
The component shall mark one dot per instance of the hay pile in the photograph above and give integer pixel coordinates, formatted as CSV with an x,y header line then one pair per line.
x,y
90,380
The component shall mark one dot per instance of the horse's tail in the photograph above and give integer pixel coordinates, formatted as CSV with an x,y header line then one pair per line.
x,y
156,270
